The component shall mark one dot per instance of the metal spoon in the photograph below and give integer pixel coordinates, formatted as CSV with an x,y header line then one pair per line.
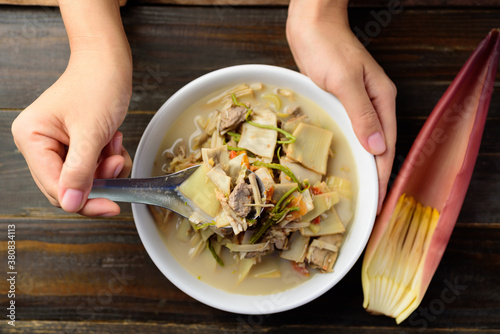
x,y
158,191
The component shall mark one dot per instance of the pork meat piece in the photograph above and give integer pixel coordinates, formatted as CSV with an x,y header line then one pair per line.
x,y
267,250
278,237
241,195
231,118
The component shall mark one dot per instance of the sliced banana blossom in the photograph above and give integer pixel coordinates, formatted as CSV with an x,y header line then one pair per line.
x,y
420,212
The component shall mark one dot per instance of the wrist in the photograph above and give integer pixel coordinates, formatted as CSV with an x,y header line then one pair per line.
x,y
102,59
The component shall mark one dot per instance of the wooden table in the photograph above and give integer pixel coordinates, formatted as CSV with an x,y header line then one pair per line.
x,y
82,275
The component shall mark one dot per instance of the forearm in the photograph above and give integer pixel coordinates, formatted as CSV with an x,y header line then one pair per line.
x,y
94,24
334,10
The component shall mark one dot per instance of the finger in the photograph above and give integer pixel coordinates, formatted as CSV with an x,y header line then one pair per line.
x,y
44,157
78,170
110,167
291,42
114,147
365,121
116,166
53,200
100,207
127,166
382,93
384,164
297,61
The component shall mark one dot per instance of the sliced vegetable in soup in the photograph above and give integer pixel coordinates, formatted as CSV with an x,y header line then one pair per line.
x,y
245,238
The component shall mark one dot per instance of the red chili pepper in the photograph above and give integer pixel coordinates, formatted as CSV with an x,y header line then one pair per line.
x,y
300,268
316,191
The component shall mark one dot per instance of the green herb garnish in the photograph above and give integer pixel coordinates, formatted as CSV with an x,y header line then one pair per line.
x,y
283,198
278,212
291,138
287,202
235,136
308,185
214,254
234,148
202,226
270,222
282,168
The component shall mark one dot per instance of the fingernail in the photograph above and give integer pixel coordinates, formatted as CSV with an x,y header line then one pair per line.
x,y
118,169
117,144
376,143
72,200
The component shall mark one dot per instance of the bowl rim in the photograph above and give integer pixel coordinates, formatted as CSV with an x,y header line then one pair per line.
x,y
281,301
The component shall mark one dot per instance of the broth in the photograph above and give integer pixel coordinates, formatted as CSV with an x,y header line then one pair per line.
x,y
263,277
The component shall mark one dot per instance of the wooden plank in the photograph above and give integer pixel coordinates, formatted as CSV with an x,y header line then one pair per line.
x,y
67,277
417,98
136,327
410,126
172,46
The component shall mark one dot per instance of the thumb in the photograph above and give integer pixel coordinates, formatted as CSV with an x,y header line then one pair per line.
x,y
364,118
78,170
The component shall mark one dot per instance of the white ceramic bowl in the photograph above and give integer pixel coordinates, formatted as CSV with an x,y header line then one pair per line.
x,y
355,238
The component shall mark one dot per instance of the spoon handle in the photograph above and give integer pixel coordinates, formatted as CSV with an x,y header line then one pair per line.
x,y
159,191
130,190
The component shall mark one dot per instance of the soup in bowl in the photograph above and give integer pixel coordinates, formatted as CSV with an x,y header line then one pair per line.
x,y
248,249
